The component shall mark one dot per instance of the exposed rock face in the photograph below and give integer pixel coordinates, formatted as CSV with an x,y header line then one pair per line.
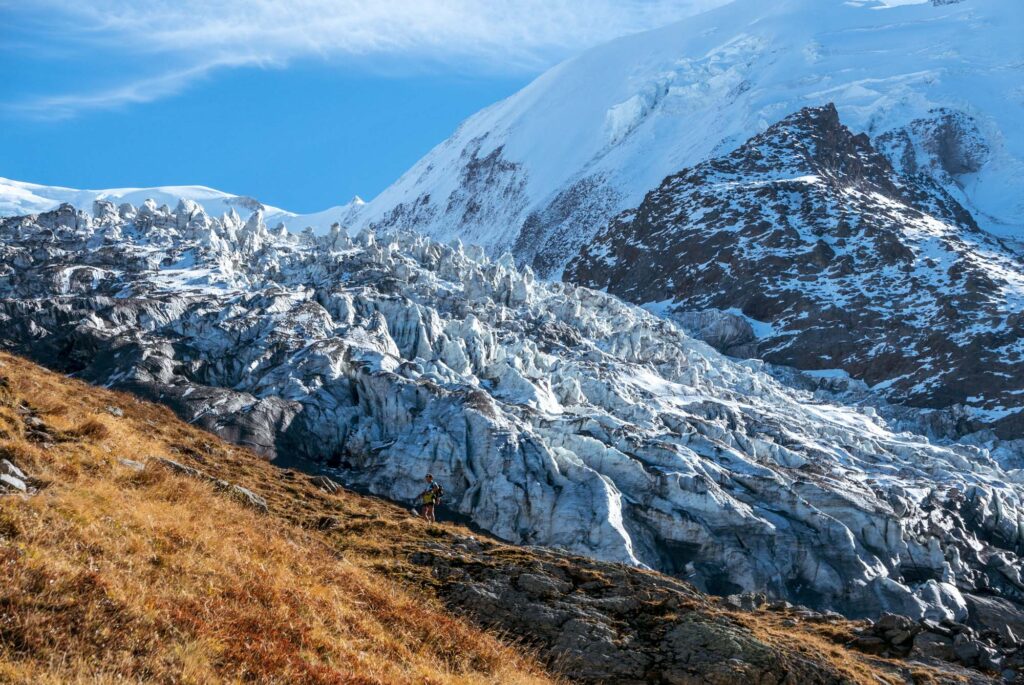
x,y
480,175
606,623
854,266
552,235
553,415
945,146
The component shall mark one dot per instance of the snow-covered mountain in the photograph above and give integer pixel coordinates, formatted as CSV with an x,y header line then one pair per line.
x,y
939,85
554,415
656,168
18,198
542,171
840,261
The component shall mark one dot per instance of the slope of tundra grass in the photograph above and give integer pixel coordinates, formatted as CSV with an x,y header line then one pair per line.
x,y
113,574
116,568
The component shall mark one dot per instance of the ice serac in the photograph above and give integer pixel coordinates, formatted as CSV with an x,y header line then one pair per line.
x,y
845,262
553,414
542,171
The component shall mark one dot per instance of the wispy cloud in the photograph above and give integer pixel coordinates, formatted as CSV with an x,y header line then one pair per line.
x,y
177,43
64,106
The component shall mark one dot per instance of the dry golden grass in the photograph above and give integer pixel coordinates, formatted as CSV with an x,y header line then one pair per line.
x,y
109,574
825,642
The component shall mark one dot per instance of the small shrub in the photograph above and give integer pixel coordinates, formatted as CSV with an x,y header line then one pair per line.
x,y
91,430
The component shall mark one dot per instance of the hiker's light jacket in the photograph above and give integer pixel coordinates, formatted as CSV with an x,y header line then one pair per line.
x,y
430,494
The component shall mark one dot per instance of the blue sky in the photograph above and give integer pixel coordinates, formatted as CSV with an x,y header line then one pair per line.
x,y
304,138
300,103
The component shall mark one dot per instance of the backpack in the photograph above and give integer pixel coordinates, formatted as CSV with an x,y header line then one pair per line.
x,y
438,494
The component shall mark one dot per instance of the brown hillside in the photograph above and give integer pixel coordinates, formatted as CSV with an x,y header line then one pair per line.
x,y
148,550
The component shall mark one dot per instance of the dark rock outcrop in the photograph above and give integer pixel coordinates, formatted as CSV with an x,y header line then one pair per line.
x,y
808,228
606,623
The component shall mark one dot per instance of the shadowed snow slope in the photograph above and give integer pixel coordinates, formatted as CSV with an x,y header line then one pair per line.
x,y
554,415
540,172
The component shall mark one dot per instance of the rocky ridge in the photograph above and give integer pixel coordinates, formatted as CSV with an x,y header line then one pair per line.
x,y
994,650
554,415
839,260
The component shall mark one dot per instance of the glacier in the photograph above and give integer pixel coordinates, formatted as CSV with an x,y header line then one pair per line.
x,y
554,414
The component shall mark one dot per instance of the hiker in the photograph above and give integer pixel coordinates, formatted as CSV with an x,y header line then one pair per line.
x,y
431,497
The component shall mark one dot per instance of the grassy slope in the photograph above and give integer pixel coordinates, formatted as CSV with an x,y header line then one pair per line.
x,y
149,575
108,572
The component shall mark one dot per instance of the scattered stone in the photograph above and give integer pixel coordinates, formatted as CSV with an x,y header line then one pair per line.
x,y
7,467
10,482
178,467
933,627
899,637
734,601
325,484
966,650
250,498
247,496
871,644
990,659
958,628
933,645
748,601
327,523
115,411
41,437
887,622
131,464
